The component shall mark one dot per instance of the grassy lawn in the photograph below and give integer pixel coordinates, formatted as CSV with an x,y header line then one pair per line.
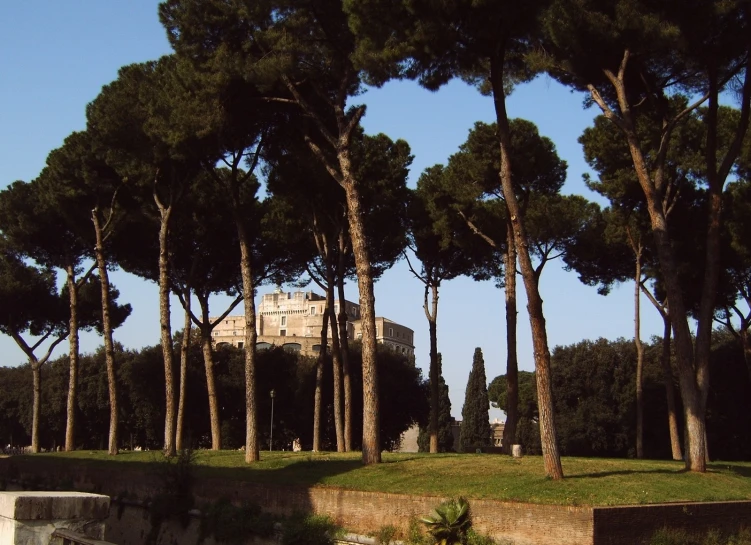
x,y
589,481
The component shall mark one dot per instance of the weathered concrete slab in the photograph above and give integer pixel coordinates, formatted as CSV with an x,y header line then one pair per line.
x,y
30,518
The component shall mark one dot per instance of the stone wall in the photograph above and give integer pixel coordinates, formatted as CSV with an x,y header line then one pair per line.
x,y
367,512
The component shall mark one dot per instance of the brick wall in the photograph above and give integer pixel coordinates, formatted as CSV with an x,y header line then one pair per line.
x,y
367,512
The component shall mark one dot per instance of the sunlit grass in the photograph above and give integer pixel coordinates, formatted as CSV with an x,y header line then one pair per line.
x,y
589,481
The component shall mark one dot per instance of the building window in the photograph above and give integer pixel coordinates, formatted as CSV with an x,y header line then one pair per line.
x,y
283,321
283,332
240,345
312,311
391,332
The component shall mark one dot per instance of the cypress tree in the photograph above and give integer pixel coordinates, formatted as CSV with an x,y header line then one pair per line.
x,y
445,436
475,431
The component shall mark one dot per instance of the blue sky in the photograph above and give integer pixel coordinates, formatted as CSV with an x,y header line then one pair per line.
x,y
55,57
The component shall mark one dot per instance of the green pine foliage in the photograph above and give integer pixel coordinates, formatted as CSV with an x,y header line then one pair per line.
x,y
475,431
445,435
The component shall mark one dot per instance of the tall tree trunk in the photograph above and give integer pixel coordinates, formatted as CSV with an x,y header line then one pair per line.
x,y
639,359
184,349
512,367
434,375
371,441
166,332
550,454
745,341
667,372
109,346
70,423
344,347
208,363
319,380
36,372
336,359
252,453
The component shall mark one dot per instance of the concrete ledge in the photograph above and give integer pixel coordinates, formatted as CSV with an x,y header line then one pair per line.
x,y
53,505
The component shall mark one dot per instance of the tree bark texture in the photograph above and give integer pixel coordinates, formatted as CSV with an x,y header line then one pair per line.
x,y
550,453
36,373
70,424
252,453
431,312
336,359
184,348
344,347
512,367
166,331
639,358
320,362
667,372
109,345
208,363
371,443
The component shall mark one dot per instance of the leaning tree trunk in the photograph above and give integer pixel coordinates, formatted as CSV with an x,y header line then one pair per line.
x,y
166,332
639,359
70,423
512,366
371,443
184,348
551,456
667,372
434,377
336,360
109,346
344,348
319,381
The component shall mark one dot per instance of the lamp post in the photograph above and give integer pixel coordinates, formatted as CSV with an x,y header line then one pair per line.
x,y
271,435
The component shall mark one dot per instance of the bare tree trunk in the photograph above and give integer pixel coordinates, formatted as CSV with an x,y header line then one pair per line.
x,y
319,381
208,363
512,367
434,375
109,346
371,442
36,372
550,453
184,348
70,423
252,453
336,360
675,440
745,345
166,332
639,358
344,347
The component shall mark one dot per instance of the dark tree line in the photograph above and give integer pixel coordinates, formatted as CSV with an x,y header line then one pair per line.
x,y
594,395
141,408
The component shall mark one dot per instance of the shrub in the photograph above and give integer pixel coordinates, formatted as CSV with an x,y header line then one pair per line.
x,y
449,522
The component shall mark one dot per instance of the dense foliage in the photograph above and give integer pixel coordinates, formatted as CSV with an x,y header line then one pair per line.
x,y
142,399
594,384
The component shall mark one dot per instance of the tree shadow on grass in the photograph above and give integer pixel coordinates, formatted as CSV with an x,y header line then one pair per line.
x,y
741,471
599,474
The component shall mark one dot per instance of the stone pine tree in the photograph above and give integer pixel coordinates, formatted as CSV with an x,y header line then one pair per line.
x,y
475,430
645,50
445,436
486,44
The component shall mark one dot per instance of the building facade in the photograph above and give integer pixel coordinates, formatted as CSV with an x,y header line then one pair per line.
x,y
294,320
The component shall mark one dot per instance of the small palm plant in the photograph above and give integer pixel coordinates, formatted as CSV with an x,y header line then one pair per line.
x,y
449,522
